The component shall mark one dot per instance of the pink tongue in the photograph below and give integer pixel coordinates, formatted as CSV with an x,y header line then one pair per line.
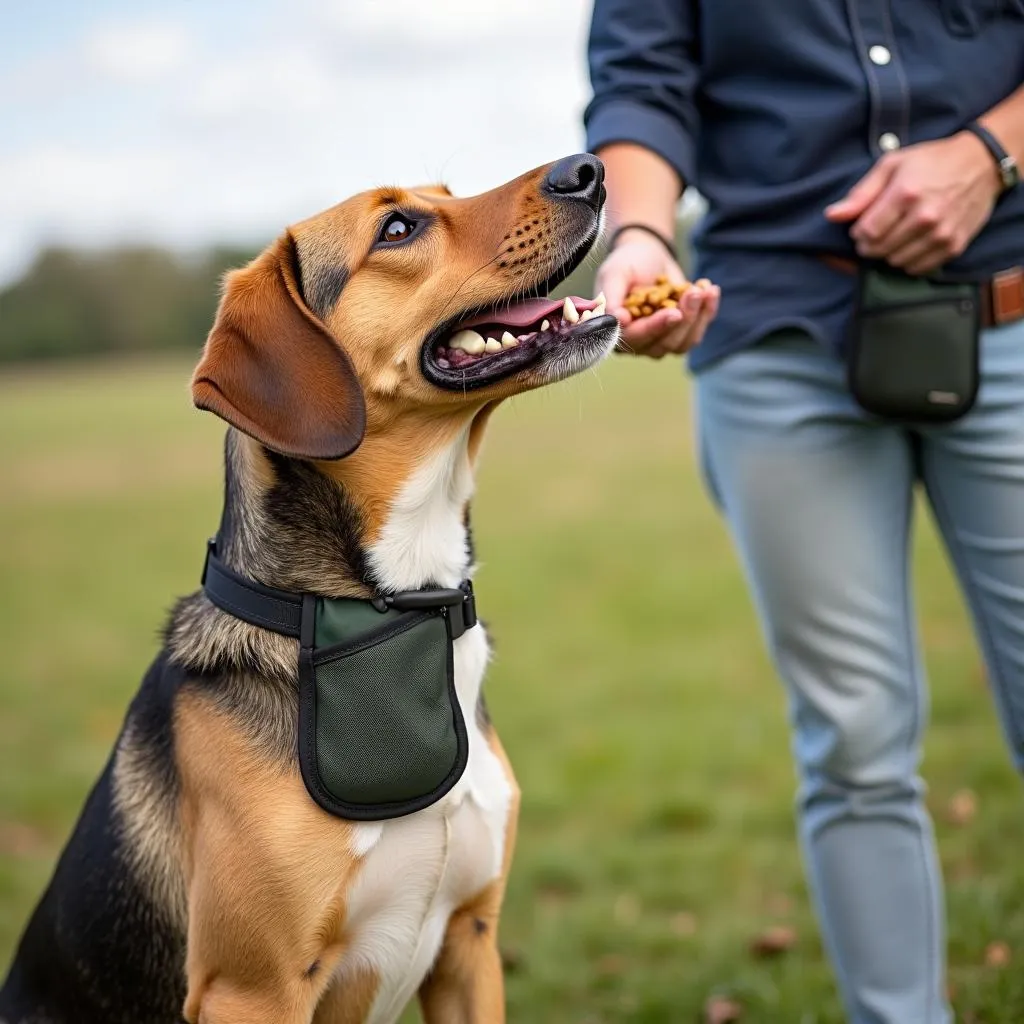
x,y
523,314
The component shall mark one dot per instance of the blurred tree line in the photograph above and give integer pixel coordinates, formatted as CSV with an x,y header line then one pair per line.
x,y
137,299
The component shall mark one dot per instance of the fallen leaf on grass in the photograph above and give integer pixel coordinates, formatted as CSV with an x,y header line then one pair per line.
x,y
627,910
962,807
684,924
720,1010
997,954
611,964
774,941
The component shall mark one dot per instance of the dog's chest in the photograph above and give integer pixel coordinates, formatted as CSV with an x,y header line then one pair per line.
x,y
417,870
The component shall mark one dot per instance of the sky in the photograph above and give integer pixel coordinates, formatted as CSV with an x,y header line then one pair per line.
x,y
225,120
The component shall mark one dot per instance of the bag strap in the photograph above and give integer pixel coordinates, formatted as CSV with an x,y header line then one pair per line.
x,y
281,610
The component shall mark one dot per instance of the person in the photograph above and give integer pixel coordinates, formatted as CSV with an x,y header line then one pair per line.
x,y
827,136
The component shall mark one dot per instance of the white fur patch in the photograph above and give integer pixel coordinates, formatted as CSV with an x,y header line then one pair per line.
x,y
365,836
418,869
424,538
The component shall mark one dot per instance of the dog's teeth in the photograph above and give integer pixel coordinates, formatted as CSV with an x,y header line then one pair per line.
x,y
492,345
546,326
569,312
600,304
468,341
509,340
586,314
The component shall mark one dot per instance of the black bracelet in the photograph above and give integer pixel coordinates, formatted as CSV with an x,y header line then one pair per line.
x,y
653,232
1006,166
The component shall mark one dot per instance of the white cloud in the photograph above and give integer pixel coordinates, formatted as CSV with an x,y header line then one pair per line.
x,y
139,52
447,20
232,137
287,80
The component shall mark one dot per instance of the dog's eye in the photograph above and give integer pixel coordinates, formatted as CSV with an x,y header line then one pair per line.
x,y
397,228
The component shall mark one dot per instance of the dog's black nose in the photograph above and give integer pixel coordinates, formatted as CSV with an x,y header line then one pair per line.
x,y
577,177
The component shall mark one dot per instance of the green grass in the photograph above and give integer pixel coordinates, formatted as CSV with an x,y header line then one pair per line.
x,y
630,688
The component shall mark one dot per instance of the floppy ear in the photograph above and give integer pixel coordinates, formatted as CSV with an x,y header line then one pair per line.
x,y
271,369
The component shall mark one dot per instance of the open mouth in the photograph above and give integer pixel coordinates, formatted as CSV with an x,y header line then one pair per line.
x,y
501,341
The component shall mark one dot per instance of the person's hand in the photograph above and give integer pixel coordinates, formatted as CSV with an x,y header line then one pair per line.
x,y
636,261
921,206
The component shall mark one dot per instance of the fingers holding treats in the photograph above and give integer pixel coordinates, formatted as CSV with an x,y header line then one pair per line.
x,y
663,294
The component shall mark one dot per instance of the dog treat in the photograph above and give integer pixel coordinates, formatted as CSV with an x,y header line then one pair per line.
x,y
642,302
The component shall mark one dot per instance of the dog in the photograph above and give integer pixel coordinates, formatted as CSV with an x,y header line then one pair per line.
x,y
213,875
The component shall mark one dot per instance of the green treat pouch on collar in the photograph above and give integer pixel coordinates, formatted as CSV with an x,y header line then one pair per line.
x,y
913,355
381,732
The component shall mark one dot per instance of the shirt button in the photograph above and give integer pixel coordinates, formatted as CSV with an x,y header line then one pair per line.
x,y
888,141
879,55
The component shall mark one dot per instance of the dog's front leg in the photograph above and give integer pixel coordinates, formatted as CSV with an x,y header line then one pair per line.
x,y
465,985
240,968
225,1001
266,873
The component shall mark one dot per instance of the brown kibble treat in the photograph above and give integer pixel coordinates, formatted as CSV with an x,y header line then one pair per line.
x,y
661,279
644,301
997,954
773,941
720,1010
962,808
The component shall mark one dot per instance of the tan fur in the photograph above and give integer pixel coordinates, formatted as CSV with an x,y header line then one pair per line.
x,y
375,473
348,1003
266,871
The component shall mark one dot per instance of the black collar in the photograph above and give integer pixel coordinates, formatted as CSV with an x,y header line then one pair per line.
x,y
291,613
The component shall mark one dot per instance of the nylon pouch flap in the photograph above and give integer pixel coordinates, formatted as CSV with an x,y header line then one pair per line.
x,y
381,733
914,351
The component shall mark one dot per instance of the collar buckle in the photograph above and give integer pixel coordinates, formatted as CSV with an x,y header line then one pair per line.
x,y
457,604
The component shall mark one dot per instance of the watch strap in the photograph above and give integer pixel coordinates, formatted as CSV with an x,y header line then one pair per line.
x,y
1009,172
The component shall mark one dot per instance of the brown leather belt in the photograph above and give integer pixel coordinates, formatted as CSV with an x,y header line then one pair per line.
x,y
1002,296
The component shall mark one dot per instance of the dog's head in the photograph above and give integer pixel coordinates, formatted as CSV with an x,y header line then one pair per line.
x,y
398,305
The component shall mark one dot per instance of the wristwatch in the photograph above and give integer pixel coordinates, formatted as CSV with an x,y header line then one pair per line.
x,y
1009,172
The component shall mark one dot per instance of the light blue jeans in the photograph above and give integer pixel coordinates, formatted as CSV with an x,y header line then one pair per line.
x,y
818,499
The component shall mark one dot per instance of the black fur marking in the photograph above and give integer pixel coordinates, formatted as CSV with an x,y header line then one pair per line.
x,y
81,959
470,543
321,286
309,517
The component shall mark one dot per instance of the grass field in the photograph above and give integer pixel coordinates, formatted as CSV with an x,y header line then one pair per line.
x,y
630,688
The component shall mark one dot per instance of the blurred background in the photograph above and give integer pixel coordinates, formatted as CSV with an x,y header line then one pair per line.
x,y
146,147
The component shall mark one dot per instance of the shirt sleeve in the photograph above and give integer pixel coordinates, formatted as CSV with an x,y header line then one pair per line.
x,y
644,70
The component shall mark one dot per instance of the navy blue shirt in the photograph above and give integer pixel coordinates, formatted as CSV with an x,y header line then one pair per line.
x,y
775,108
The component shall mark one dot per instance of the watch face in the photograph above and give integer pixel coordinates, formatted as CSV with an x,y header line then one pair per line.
x,y
1009,172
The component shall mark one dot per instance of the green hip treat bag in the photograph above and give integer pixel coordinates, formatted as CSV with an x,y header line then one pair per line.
x,y
914,349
